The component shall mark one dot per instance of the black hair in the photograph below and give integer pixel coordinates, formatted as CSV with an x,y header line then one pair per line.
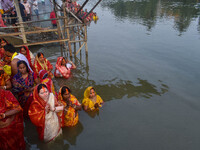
x,y
40,87
45,76
10,48
23,47
23,62
39,54
63,90
2,39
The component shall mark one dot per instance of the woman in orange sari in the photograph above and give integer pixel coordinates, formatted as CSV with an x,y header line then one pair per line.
x,y
11,122
5,82
43,74
43,113
41,63
91,100
26,52
69,116
63,68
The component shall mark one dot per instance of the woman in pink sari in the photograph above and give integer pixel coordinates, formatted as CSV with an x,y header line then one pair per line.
x,y
63,68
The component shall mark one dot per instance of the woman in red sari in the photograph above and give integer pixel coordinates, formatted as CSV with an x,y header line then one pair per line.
x,y
43,74
43,113
11,122
26,52
41,63
63,68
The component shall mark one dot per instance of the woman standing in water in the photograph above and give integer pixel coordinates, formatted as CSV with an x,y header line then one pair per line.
x,y
91,100
41,63
63,68
43,113
11,122
23,85
69,116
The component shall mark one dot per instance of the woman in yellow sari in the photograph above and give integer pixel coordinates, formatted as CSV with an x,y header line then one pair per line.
x,y
91,100
69,116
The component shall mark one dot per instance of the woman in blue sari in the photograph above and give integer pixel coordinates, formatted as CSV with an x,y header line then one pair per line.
x,y
23,85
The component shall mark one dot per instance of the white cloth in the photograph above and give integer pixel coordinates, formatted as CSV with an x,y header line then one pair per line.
x,y
32,57
22,57
52,127
27,7
35,3
68,65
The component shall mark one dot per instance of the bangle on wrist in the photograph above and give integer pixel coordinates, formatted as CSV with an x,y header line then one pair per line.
x,y
4,87
4,115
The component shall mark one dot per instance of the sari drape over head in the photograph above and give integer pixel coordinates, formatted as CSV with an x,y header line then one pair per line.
x,y
20,85
65,72
12,136
43,74
29,56
21,57
71,117
39,66
48,124
88,102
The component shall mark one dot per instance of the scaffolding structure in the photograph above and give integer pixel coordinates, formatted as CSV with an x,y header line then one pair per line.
x,y
70,29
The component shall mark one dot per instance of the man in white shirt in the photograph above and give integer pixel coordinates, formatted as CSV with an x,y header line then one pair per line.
x,y
28,10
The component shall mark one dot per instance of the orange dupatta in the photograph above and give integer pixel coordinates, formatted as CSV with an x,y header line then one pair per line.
x,y
37,113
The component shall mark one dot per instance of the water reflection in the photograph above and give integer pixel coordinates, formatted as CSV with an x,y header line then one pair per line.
x,y
148,12
110,89
71,133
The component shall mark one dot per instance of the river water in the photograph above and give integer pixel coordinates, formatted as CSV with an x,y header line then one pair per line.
x,y
143,61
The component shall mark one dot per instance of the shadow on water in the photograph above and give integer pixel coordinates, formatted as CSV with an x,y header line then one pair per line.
x,y
149,12
70,134
67,138
110,89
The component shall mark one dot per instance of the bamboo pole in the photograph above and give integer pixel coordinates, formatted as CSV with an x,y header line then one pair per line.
x,y
82,7
86,48
30,32
80,48
68,36
43,42
74,39
16,3
74,15
92,8
79,36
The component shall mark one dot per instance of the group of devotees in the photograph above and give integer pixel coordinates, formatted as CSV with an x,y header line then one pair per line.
x,y
27,92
